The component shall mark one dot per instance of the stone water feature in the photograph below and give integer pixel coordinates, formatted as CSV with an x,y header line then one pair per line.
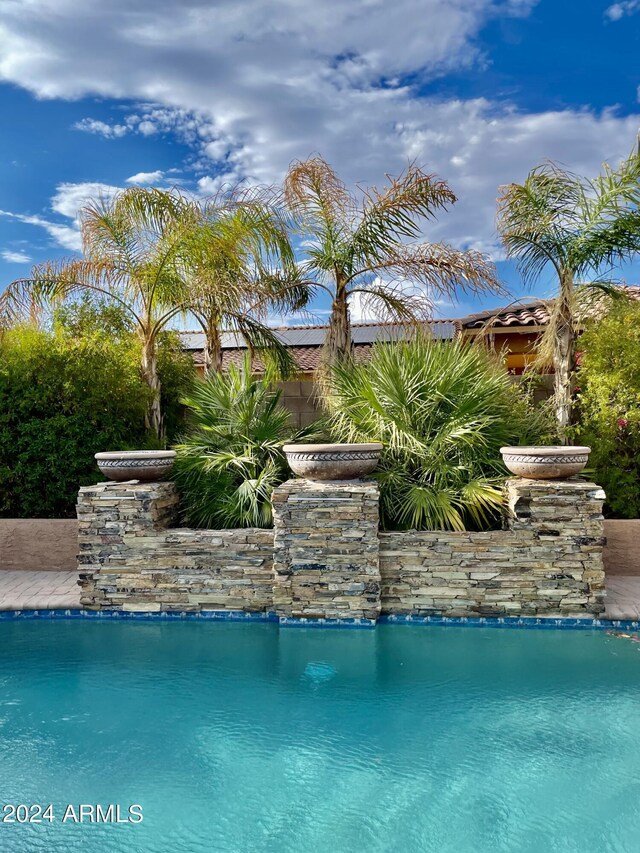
x,y
327,559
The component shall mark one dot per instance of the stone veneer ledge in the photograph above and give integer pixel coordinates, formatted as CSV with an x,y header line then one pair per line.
x,y
326,559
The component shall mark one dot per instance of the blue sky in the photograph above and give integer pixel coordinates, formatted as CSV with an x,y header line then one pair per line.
x,y
98,96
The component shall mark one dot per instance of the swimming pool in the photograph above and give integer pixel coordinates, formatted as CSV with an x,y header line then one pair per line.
x,y
247,737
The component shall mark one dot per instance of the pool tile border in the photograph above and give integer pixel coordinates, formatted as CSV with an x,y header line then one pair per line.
x,y
542,623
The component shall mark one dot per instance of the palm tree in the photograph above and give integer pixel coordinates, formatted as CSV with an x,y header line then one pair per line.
x,y
365,244
578,227
240,264
161,253
131,244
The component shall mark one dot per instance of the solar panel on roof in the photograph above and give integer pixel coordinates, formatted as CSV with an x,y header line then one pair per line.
x,y
310,337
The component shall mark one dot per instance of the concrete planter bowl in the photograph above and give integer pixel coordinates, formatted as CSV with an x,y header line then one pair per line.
x,y
553,462
136,464
332,461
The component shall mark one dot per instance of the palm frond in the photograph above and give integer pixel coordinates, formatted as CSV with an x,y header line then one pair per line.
x,y
442,410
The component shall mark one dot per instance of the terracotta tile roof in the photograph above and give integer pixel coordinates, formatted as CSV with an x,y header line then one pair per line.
x,y
307,358
534,313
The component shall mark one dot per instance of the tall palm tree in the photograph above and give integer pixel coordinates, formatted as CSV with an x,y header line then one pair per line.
x,y
581,228
131,244
366,243
240,264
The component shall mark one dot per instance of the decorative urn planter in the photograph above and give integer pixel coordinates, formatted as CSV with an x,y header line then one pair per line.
x,y
135,464
552,462
332,461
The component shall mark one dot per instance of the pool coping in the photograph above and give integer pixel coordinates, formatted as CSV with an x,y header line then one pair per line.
x,y
538,622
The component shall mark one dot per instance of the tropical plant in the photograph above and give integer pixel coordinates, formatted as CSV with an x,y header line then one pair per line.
x,y
158,254
130,246
608,404
442,411
240,265
230,461
66,394
580,228
365,243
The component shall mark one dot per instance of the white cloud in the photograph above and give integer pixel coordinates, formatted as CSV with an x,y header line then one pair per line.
x,y
66,202
63,235
251,86
12,257
101,128
142,178
69,198
619,10
208,186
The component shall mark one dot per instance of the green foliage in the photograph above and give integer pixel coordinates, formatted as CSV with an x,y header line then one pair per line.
x,y
581,229
177,373
230,462
609,405
442,412
66,394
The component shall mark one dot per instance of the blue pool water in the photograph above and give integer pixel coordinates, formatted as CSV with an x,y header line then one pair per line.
x,y
253,738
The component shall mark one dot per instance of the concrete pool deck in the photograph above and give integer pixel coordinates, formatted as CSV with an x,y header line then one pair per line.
x,y
60,591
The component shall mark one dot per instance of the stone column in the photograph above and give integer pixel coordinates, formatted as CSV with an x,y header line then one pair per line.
x,y
326,555
111,516
560,530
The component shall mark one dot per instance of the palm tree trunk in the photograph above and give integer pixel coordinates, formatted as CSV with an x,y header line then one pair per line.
x,y
563,354
338,342
153,418
213,347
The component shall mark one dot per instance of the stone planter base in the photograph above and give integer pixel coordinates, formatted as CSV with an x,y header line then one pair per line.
x,y
326,559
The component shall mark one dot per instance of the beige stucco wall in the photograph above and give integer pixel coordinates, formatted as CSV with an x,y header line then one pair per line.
x,y
622,552
38,544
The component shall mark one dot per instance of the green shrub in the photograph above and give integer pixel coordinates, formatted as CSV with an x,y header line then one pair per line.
x,y
608,410
231,460
63,397
442,412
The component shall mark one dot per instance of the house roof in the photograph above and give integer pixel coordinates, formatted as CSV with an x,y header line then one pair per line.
x,y
534,313
305,342
313,336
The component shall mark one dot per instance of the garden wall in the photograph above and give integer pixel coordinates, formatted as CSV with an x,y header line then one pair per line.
x,y
38,544
330,561
129,560
622,552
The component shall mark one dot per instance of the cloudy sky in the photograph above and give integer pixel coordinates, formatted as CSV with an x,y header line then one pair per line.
x,y
199,93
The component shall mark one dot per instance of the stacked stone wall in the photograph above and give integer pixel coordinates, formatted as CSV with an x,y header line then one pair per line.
x,y
548,562
129,560
326,550
326,559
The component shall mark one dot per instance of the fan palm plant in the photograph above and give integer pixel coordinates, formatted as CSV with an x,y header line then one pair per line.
x,y
581,228
442,411
366,244
230,462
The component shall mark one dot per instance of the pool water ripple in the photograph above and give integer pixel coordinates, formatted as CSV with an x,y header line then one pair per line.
x,y
246,737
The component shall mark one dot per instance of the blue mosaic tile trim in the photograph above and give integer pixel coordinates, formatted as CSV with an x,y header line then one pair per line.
x,y
159,616
541,623
301,622
512,622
